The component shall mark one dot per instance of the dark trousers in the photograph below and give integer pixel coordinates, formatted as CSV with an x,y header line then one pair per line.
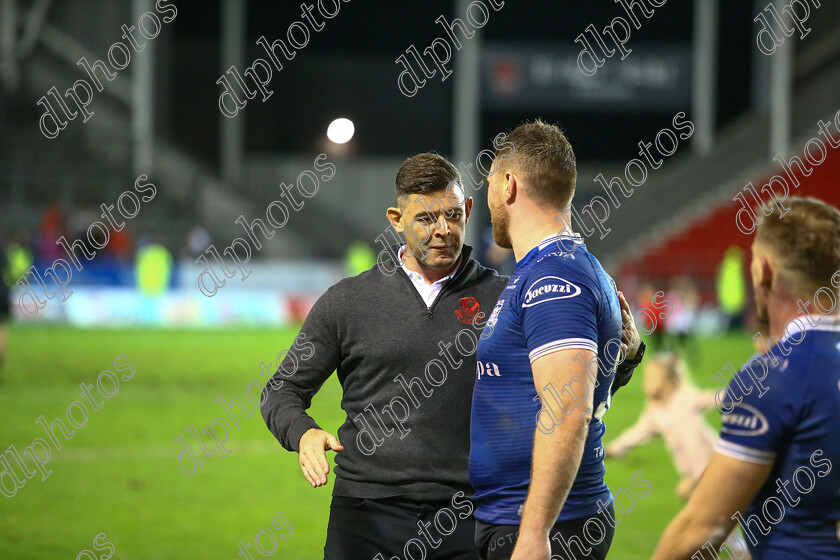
x,y
398,529
580,539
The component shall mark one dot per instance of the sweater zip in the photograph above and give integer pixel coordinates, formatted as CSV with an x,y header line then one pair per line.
x,y
430,309
415,292
459,272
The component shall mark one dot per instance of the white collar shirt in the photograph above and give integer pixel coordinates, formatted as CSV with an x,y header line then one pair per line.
x,y
428,292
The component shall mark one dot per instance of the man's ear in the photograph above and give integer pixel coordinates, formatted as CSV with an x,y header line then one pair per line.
x,y
510,187
467,208
767,273
394,216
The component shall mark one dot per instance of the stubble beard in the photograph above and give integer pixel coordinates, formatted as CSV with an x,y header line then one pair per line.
x,y
501,229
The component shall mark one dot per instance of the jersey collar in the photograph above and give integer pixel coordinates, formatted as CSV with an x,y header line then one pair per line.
x,y
553,238
801,324
575,237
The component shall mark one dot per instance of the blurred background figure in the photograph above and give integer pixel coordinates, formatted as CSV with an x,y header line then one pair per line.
x,y
360,257
679,324
6,280
15,260
53,226
121,244
674,410
731,287
18,257
153,268
153,265
198,240
652,328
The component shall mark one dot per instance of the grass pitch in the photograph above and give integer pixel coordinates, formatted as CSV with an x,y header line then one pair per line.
x,y
118,474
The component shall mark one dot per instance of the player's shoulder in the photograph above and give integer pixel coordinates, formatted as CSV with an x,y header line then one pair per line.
x,y
576,265
555,259
552,280
820,340
814,356
805,349
792,371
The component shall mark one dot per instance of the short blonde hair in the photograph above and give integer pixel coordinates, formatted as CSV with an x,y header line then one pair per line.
x,y
676,370
806,239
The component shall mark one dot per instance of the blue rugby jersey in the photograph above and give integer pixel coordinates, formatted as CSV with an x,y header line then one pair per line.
x,y
559,297
791,420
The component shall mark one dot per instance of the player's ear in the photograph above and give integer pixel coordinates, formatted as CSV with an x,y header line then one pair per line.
x,y
767,273
510,187
394,216
467,208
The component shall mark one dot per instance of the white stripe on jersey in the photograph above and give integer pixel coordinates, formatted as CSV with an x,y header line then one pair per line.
x,y
578,240
743,453
564,344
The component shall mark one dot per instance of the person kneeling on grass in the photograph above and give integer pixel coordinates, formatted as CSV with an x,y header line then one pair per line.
x,y
674,410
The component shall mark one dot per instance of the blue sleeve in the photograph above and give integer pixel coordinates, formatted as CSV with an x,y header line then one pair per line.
x,y
558,307
759,416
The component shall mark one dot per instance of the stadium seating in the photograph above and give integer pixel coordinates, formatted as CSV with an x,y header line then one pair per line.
x,y
697,248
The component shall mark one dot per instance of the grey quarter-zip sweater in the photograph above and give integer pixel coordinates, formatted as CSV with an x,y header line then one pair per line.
x,y
407,372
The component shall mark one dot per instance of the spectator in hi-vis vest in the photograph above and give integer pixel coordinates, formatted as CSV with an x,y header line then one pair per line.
x,y
732,288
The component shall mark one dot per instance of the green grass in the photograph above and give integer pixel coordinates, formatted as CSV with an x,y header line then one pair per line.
x,y
118,474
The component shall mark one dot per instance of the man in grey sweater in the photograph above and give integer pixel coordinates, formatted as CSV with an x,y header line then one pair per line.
x,y
402,338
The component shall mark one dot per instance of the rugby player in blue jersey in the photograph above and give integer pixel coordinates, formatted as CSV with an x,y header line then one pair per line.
x,y
545,366
776,466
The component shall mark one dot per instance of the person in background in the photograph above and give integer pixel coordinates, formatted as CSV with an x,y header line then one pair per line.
x,y
120,244
53,225
15,261
732,288
4,300
654,333
153,270
359,258
674,410
18,258
679,324
153,267
198,240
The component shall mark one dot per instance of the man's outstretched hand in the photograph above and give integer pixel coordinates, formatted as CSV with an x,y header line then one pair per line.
x,y
312,456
